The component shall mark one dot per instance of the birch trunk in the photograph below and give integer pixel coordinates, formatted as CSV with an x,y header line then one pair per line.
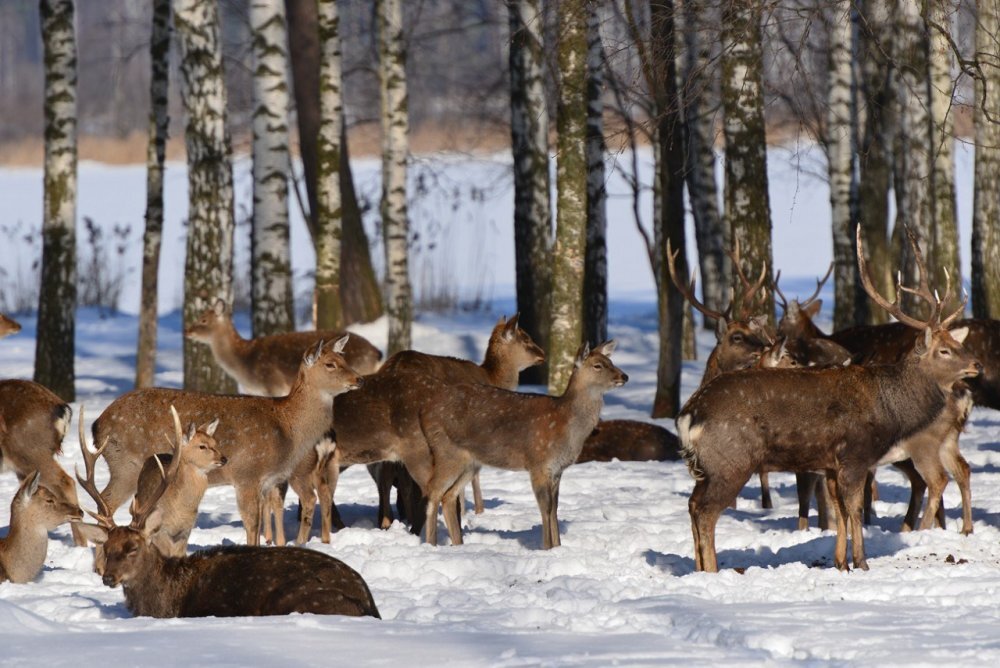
x,y
395,130
746,195
876,150
942,131
208,268
595,280
670,179
159,58
329,311
840,162
913,188
571,188
529,129
986,195
273,309
55,342
699,156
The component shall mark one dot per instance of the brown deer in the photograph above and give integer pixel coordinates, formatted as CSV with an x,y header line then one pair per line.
x,y
35,423
807,342
843,420
34,512
629,441
226,581
264,438
467,425
8,326
268,365
195,455
380,422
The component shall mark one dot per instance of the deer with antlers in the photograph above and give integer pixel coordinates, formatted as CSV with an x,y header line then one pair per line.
x,y
842,420
226,581
8,326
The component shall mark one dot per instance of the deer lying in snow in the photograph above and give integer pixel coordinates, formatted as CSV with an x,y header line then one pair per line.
x,y
35,421
226,581
629,441
263,438
195,455
268,365
8,326
467,425
34,512
843,420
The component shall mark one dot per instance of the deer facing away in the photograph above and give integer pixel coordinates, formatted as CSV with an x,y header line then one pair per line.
x,y
263,438
466,425
842,420
34,512
226,581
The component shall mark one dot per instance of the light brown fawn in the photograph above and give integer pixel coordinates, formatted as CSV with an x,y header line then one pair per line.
x,y
226,581
34,512
264,438
195,455
842,420
268,365
36,421
467,425
8,326
380,422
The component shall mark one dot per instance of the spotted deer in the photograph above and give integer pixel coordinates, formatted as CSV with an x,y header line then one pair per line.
x,y
8,326
34,512
263,438
35,421
629,441
842,420
225,581
467,425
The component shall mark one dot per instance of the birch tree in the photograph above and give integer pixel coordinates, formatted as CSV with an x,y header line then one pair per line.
x,y
986,193
699,155
571,188
748,209
395,147
839,136
529,130
208,267
55,347
159,82
595,279
271,279
329,312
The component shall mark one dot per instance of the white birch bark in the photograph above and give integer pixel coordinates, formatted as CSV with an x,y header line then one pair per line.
x,y
395,148
55,347
159,82
271,284
986,193
329,311
208,267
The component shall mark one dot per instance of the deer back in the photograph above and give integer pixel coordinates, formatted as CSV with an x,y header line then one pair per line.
x,y
629,441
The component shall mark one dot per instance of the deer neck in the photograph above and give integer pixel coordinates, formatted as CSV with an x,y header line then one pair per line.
x,y
582,402
308,411
24,549
229,348
910,398
500,372
712,370
159,590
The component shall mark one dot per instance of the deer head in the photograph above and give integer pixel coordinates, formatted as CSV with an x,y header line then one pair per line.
x,y
8,326
797,317
44,507
212,322
324,366
198,446
595,369
510,342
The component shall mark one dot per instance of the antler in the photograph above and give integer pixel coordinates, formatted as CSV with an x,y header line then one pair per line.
x,y
141,513
961,307
748,302
104,513
781,295
819,287
923,290
688,290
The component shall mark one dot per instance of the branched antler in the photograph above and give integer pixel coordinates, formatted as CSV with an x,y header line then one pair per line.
x,y
754,297
687,290
141,513
104,513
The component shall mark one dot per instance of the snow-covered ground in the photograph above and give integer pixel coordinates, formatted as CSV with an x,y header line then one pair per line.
x,y
620,590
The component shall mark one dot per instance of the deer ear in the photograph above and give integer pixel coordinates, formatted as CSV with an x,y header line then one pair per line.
x,y
923,343
30,485
220,307
607,347
341,343
510,329
959,333
813,309
92,532
153,522
581,354
211,427
721,327
312,354
192,428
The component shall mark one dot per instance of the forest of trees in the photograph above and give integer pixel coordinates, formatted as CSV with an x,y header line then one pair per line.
x,y
886,87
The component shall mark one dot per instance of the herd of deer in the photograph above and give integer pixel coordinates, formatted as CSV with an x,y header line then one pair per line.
x,y
784,399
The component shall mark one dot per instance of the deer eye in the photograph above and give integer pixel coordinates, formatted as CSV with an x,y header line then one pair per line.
x,y
737,338
944,352
331,366
202,447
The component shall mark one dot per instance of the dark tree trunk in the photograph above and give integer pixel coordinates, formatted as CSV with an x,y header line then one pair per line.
x,y
595,274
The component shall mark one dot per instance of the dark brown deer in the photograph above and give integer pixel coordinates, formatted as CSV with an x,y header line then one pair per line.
x,y
268,365
842,420
36,421
264,438
34,512
629,441
8,326
227,581
807,342
467,425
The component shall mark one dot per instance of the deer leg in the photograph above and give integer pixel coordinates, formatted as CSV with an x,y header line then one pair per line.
x,y
477,493
824,508
249,501
541,485
929,465
765,490
329,513
804,485
449,508
917,488
694,511
324,495
710,497
840,547
306,491
958,467
382,472
851,486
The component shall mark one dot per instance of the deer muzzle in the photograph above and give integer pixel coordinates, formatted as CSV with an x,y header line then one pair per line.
x,y
109,580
